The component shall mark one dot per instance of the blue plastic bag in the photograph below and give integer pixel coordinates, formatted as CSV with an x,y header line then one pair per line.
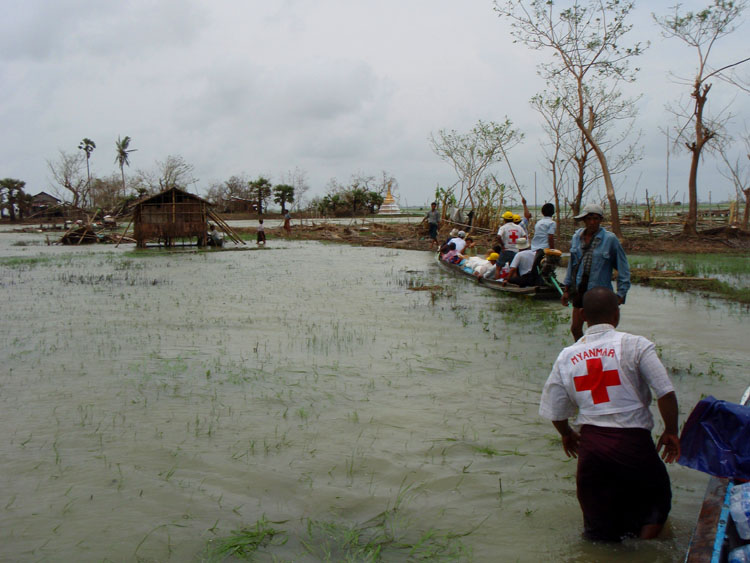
x,y
716,439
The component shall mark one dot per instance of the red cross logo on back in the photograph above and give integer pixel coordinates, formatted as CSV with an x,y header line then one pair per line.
x,y
596,380
513,236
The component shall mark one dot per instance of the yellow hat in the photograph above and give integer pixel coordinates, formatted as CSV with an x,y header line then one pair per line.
x,y
493,256
516,218
508,215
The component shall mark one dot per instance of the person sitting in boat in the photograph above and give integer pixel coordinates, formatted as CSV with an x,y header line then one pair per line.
x,y
459,241
453,234
521,222
507,235
522,272
450,252
469,249
486,269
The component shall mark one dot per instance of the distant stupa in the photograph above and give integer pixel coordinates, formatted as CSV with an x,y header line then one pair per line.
x,y
389,207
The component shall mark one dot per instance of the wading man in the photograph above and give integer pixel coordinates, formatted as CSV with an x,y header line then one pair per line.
x,y
594,254
606,380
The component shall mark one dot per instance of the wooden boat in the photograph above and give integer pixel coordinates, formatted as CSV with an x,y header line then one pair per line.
x,y
715,534
547,291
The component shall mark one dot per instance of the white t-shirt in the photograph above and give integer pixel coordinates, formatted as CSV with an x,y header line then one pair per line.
x,y
609,400
544,227
510,233
523,261
460,244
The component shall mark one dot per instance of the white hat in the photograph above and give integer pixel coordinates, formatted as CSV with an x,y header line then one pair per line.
x,y
461,234
523,243
590,209
454,232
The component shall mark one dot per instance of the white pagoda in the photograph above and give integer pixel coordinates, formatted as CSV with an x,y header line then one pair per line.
x,y
389,207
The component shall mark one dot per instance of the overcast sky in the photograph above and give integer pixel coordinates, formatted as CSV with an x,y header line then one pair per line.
x,y
333,87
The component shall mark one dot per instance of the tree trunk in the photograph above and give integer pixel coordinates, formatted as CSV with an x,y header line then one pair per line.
x,y
613,208
691,221
701,138
747,209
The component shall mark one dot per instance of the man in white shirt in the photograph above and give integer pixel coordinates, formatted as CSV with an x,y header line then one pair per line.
x,y
508,235
459,242
606,379
521,268
544,229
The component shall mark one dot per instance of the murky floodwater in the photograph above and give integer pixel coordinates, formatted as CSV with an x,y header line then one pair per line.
x,y
153,402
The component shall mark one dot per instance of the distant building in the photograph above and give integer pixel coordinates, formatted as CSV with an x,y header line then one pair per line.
x,y
389,207
45,205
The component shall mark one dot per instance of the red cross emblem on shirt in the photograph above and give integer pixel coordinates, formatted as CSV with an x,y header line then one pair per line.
x,y
596,380
513,236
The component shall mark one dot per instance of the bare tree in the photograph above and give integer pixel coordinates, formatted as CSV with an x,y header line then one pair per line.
x,y
173,172
472,154
297,178
589,62
737,170
67,173
560,133
701,30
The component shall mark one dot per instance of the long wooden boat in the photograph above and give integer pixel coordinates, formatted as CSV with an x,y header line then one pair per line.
x,y
534,292
715,534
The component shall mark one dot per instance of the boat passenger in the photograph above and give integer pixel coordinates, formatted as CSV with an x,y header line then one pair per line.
x,y
459,241
450,252
522,222
507,235
544,230
487,267
453,234
522,267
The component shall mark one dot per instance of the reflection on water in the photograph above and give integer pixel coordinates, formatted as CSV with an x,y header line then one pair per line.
x,y
153,402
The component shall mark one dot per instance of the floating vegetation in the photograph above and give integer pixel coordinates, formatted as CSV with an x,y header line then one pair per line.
x,y
386,537
243,543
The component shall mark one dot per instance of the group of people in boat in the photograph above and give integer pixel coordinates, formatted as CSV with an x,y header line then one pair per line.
x,y
514,257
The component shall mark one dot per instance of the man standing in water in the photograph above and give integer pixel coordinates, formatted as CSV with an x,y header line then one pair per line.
x,y
594,253
606,379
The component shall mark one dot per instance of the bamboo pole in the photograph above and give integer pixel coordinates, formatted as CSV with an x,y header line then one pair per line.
x,y
125,231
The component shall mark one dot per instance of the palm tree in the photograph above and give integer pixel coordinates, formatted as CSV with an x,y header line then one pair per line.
x,y
88,146
122,159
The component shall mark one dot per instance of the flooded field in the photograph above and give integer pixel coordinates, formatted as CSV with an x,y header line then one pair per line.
x,y
153,403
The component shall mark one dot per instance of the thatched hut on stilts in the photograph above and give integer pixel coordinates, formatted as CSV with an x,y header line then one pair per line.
x,y
175,215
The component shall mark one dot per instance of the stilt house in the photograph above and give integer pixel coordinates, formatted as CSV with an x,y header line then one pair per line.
x,y
169,215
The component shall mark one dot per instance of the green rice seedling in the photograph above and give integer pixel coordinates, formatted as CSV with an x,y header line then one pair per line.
x,y
489,451
245,542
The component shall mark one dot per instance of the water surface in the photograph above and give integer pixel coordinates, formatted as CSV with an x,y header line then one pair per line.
x,y
151,402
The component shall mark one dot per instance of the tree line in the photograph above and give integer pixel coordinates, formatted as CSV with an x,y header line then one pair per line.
x,y
74,182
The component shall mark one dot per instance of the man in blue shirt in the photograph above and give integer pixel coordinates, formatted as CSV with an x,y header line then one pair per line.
x,y
594,254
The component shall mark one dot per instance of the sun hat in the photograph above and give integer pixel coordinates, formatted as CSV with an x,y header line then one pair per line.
x,y
516,218
454,232
508,215
493,256
590,209
461,234
523,243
